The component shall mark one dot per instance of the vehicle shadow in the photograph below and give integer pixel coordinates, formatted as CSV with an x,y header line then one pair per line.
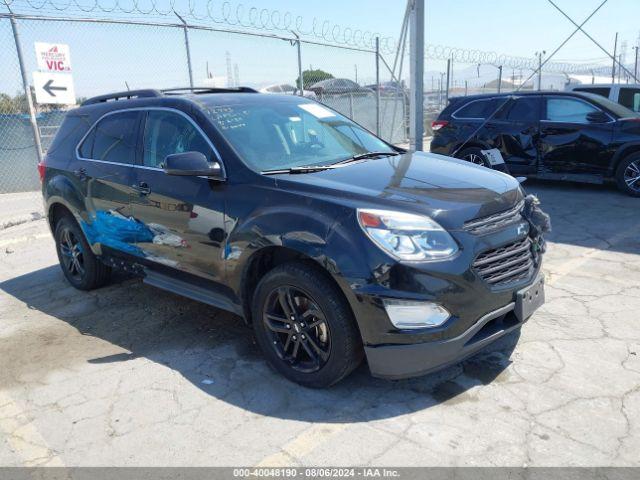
x,y
216,352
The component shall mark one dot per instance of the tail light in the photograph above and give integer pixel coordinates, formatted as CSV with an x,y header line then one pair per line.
x,y
438,124
41,169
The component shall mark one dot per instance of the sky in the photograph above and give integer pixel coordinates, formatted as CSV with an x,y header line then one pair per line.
x,y
104,57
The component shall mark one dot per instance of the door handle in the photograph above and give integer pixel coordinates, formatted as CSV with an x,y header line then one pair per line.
x,y
81,173
142,188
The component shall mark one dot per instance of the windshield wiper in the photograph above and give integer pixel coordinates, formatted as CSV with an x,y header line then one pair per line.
x,y
305,169
362,156
319,168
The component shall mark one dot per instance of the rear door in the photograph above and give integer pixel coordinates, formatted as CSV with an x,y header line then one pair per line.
x,y
105,168
183,215
569,142
517,128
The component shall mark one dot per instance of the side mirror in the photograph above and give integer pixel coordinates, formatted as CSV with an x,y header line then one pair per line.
x,y
597,117
192,164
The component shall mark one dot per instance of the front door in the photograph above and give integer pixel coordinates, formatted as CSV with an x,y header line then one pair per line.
x,y
569,141
183,215
105,169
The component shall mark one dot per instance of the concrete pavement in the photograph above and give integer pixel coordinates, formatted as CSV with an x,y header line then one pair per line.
x,y
131,375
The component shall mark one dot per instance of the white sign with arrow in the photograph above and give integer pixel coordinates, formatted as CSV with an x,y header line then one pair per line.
x,y
54,88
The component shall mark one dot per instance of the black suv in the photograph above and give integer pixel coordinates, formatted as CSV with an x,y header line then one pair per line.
x,y
550,135
332,243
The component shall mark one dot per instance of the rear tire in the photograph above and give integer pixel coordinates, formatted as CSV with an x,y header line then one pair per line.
x,y
80,266
474,155
305,327
628,175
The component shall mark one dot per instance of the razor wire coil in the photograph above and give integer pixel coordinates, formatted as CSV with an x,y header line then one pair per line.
x,y
273,20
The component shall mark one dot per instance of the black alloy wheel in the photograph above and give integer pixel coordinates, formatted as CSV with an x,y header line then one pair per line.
x,y
80,266
297,329
304,325
632,176
72,254
628,175
475,156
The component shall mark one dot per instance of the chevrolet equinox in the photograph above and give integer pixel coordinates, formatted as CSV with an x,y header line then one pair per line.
x,y
333,244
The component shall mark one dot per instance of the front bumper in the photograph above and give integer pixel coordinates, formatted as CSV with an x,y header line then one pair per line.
x,y
394,361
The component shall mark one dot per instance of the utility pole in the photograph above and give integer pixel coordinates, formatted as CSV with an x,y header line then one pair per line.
x,y
635,68
613,67
499,78
416,58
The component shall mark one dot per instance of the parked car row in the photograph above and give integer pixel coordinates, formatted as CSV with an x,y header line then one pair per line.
x,y
572,136
333,86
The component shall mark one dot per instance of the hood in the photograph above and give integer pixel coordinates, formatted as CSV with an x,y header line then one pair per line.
x,y
448,190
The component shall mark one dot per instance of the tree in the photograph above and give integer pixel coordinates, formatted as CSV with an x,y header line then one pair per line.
x,y
309,77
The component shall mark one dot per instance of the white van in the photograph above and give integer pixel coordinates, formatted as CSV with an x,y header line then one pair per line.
x,y
625,94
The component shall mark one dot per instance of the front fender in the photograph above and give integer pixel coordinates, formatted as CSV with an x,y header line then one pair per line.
x,y
622,151
303,229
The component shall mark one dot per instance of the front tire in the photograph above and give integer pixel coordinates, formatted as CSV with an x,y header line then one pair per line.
x,y
305,327
80,266
628,175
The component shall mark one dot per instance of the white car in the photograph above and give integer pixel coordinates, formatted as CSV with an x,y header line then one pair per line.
x,y
627,95
286,89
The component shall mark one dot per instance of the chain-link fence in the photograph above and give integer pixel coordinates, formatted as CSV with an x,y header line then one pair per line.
x,y
115,55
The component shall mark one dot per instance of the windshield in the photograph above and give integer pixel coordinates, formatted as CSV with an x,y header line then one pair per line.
x,y
278,135
619,110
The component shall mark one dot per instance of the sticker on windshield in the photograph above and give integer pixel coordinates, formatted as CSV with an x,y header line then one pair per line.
x,y
317,111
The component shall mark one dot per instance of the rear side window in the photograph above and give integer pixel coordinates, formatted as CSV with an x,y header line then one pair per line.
x,y
476,109
113,139
602,91
568,110
630,98
525,109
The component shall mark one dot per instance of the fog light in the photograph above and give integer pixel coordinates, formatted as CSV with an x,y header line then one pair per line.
x,y
410,314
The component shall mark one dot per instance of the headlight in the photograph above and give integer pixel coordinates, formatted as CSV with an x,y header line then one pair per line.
x,y
407,236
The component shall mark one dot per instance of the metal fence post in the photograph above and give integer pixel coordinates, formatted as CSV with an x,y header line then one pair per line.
x,y
416,55
186,44
25,85
299,48
378,86
446,97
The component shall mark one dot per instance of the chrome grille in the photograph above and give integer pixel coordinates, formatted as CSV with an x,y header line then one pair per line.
x,y
496,221
506,264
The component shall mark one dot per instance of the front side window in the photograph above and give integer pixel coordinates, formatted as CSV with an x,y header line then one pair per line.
x,y
568,110
113,139
291,133
630,98
167,133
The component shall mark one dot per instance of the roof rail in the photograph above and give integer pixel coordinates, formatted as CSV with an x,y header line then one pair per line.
x,y
129,94
201,90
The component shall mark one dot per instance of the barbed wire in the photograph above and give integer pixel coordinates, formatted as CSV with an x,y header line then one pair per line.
x,y
266,19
